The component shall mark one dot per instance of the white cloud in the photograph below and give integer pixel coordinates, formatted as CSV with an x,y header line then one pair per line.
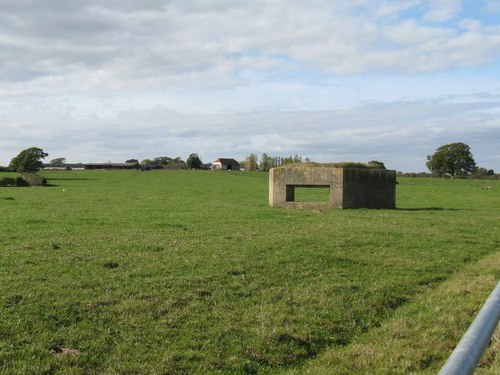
x,y
399,133
92,80
442,10
492,6
126,44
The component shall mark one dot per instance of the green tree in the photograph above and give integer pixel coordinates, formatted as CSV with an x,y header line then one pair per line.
x,y
176,163
135,161
295,159
483,173
29,160
454,159
267,162
251,162
58,162
161,160
193,161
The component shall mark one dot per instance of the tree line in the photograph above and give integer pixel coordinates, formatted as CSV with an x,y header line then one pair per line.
x,y
450,160
251,163
165,162
266,162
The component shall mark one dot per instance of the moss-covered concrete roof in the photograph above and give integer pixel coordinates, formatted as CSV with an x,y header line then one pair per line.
x,y
342,164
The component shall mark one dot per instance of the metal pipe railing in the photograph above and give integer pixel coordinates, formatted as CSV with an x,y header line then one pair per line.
x,y
465,357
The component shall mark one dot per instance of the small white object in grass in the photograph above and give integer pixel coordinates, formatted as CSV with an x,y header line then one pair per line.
x,y
64,190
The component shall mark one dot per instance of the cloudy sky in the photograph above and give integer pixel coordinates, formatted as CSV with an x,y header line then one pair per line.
x,y
334,80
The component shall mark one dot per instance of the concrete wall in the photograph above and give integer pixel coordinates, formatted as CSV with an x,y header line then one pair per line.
x,y
369,188
349,187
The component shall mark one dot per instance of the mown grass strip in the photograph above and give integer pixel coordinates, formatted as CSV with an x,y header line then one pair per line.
x,y
421,335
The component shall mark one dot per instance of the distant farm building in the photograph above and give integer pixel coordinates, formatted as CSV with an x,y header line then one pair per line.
x,y
226,165
348,185
111,165
64,167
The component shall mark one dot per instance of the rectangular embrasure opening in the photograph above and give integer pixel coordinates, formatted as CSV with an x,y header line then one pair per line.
x,y
308,193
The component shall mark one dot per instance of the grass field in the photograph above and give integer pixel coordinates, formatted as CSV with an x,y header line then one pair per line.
x,y
178,272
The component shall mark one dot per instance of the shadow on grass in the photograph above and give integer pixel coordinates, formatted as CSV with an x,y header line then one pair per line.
x,y
27,186
68,179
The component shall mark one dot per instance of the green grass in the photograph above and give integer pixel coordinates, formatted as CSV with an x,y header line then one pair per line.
x,y
312,194
192,272
420,335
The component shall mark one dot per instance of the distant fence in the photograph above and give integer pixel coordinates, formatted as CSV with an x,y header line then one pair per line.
x,y
465,357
